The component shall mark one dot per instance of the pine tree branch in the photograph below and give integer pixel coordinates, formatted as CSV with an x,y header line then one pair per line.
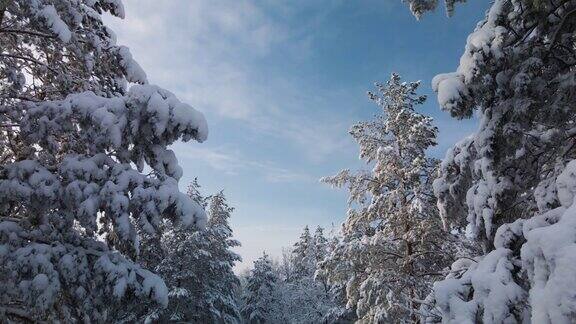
x,y
556,34
28,59
10,219
27,32
20,313
430,274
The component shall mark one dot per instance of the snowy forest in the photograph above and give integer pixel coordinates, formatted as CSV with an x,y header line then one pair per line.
x,y
97,226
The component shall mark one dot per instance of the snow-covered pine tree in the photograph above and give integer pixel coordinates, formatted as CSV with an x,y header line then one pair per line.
x,y
223,286
303,256
197,267
193,191
302,301
261,296
340,312
155,246
511,183
307,297
320,244
74,139
186,269
302,297
391,245
320,251
286,265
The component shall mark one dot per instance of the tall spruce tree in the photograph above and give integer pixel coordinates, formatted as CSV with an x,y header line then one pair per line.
x,y
224,283
320,244
197,266
261,296
303,256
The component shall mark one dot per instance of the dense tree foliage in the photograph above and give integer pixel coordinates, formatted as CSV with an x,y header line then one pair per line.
x,y
74,142
292,292
510,184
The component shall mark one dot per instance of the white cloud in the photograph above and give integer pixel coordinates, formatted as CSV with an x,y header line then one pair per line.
x,y
210,53
231,162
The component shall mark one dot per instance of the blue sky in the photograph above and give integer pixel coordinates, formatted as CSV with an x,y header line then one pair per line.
x,y
280,83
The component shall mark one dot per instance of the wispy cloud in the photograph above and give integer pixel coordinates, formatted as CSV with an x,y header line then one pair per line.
x,y
231,162
211,54
217,56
